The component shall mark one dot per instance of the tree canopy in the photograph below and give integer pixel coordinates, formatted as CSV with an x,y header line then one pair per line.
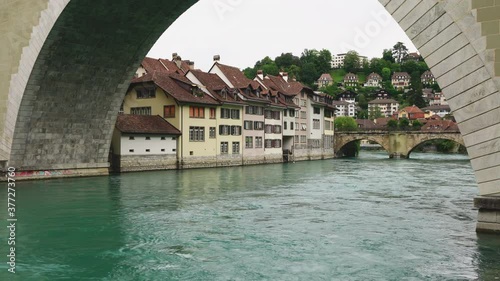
x,y
399,52
345,123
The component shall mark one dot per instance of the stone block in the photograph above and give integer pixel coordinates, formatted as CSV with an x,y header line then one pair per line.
x,y
422,8
460,71
484,148
488,174
490,27
479,122
482,135
485,162
493,41
488,13
479,107
487,188
430,24
476,78
487,216
384,2
443,52
485,227
440,39
453,61
482,3
425,31
404,10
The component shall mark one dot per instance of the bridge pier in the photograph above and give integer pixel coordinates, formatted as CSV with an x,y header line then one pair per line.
x,y
397,155
488,218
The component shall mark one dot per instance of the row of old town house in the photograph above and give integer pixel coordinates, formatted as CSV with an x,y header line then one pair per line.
x,y
175,117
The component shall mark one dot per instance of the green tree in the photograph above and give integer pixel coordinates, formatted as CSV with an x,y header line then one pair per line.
x,y
415,94
377,64
387,56
267,65
410,67
309,73
366,66
362,101
399,52
250,73
294,71
332,90
392,124
286,60
345,123
352,61
445,145
324,61
363,114
417,125
386,74
404,123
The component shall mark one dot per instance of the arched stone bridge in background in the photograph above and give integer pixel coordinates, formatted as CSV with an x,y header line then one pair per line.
x,y
66,64
398,144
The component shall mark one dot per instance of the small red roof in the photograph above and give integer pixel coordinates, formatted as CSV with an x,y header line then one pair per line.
x,y
325,77
145,124
413,109
440,125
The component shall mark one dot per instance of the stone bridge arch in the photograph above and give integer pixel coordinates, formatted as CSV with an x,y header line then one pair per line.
x,y
417,139
66,65
340,142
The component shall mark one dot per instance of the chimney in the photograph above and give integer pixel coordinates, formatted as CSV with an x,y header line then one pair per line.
x,y
174,56
285,76
216,58
191,65
178,61
260,74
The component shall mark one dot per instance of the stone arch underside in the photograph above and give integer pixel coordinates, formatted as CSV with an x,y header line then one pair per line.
x,y
383,141
63,108
80,75
457,138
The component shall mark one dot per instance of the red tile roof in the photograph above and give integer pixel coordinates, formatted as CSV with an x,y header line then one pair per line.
x,y
234,75
145,124
179,87
440,125
325,77
413,109
164,65
151,65
366,124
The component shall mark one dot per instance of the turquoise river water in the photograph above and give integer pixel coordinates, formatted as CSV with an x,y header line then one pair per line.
x,y
369,218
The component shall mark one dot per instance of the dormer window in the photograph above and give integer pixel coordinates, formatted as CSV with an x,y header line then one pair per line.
x,y
145,93
197,92
257,93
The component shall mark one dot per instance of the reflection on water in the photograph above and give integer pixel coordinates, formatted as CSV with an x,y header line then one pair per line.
x,y
369,218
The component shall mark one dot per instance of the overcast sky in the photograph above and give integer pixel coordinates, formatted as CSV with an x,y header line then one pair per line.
x,y
245,31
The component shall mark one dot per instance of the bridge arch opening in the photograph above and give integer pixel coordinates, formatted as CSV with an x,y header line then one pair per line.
x,y
352,147
440,145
